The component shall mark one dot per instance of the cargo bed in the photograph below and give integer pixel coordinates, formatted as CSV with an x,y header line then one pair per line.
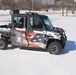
x,y
5,30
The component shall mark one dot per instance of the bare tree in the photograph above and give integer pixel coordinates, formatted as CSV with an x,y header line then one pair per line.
x,y
65,4
1,4
8,4
37,5
47,4
27,4
73,7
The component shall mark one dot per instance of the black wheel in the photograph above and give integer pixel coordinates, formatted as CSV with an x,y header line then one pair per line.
x,y
54,48
3,44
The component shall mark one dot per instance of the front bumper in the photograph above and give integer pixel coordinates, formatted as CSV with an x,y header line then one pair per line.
x,y
63,39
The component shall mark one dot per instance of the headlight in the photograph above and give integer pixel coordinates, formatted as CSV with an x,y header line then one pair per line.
x,y
57,34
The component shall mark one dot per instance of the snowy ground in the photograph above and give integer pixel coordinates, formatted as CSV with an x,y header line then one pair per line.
x,y
15,61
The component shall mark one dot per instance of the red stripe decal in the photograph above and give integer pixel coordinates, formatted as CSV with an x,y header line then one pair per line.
x,y
34,45
22,44
29,39
28,33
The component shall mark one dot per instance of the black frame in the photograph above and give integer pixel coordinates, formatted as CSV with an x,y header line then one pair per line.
x,y
29,27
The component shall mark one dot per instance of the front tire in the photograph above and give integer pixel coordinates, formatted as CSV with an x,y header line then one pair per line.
x,y
3,44
54,48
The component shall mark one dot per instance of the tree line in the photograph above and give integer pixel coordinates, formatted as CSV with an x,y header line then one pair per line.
x,y
21,4
68,5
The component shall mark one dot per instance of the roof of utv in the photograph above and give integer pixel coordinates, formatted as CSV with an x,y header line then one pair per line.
x,y
29,14
16,12
33,14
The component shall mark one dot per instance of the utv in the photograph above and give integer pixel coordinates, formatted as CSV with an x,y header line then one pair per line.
x,y
32,30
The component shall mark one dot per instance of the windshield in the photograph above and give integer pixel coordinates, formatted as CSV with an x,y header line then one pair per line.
x,y
47,23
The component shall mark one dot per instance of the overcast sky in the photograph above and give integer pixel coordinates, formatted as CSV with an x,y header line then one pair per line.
x,y
49,1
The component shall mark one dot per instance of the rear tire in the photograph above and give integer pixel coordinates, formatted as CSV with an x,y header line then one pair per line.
x,y
3,44
54,48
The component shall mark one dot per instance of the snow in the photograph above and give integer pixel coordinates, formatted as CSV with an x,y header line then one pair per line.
x,y
5,20
27,61
4,12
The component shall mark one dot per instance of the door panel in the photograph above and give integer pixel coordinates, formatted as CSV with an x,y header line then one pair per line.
x,y
37,40
19,38
37,35
18,32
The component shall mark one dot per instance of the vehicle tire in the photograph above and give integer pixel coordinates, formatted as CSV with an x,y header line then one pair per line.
x,y
54,48
3,44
